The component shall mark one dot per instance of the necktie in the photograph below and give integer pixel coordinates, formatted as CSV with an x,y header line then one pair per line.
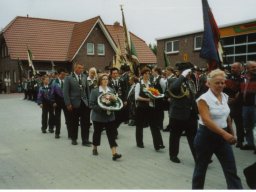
x,y
62,84
79,79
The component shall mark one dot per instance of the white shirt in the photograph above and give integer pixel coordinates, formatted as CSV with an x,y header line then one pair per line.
x,y
219,112
103,91
137,88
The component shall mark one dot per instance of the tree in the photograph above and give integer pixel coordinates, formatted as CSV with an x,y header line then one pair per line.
x,y
153,48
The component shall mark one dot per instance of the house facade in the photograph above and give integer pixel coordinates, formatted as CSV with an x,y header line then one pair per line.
x,y
56,43
238,41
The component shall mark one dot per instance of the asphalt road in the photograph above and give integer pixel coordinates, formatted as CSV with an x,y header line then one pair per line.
x,y
32,160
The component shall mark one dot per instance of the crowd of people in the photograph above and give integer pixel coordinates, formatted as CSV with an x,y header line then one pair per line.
x,y
201,105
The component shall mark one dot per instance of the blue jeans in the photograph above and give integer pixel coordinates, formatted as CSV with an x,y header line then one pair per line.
x,y
206,144
249,121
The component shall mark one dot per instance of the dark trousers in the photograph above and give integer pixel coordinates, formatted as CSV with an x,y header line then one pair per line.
x,y
61,106
83,114
238,119
206,144
98,127
159,118
177,127
249,120
146,116
47,110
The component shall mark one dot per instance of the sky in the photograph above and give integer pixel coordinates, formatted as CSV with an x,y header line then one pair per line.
x,y
148,19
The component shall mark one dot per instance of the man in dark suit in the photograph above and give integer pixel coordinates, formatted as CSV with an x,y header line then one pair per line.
x,y
183,111
76,97
116,84
58,102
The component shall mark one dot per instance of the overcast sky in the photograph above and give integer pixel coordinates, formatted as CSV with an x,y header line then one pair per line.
x,y
148,19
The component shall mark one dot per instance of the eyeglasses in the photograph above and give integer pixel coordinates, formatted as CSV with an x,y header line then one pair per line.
x,y
104,78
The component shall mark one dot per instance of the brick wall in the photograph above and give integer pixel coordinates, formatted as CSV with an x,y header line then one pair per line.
x,y
98,61
186,48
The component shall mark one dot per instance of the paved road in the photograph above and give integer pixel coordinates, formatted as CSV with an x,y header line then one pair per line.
x,y
32,160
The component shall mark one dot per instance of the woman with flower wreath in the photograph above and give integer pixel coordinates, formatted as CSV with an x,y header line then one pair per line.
x,y
103,118
145,111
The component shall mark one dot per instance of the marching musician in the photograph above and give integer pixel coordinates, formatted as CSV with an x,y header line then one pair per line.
x,y
183,110
145,112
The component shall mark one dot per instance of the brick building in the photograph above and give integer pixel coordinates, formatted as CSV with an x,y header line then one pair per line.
x,y
238,41
61,43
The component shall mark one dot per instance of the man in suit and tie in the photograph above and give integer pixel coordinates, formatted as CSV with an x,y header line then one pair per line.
x,y
76,97
58,102
116,85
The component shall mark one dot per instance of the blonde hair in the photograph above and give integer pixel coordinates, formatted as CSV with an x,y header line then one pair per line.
x,y
214,73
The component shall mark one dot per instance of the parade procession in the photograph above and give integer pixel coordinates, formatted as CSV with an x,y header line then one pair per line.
x,y
88,105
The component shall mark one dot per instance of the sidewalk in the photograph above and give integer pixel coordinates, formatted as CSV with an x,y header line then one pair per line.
x,y
32,160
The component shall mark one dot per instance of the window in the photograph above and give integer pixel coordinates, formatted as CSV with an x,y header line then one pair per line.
x,y
252,37
228,41
172,46
229,50
251,57
252,48
240,49
101,49
90,49
240,39
198,42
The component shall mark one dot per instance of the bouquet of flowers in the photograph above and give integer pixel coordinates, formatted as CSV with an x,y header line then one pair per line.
x,y
110,102
153,93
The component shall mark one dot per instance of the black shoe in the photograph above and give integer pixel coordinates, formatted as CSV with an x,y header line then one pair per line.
x,y
43,131
247,147
140,146
95,152
86,144
159,147
239,145
57,136
74,142
116,156
51,130
166,130
175,159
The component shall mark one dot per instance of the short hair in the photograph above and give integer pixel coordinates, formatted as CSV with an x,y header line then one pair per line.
x,y
101,77
250,63
171,69
214,73
113,69
158,70
60,70
144,70
238,63
93,69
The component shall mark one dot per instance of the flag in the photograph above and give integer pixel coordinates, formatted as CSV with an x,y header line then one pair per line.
x,y
166,60
30,62
130,50
211,47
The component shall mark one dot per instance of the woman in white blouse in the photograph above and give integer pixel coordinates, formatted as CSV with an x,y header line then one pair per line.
x,y
145,113
215,134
